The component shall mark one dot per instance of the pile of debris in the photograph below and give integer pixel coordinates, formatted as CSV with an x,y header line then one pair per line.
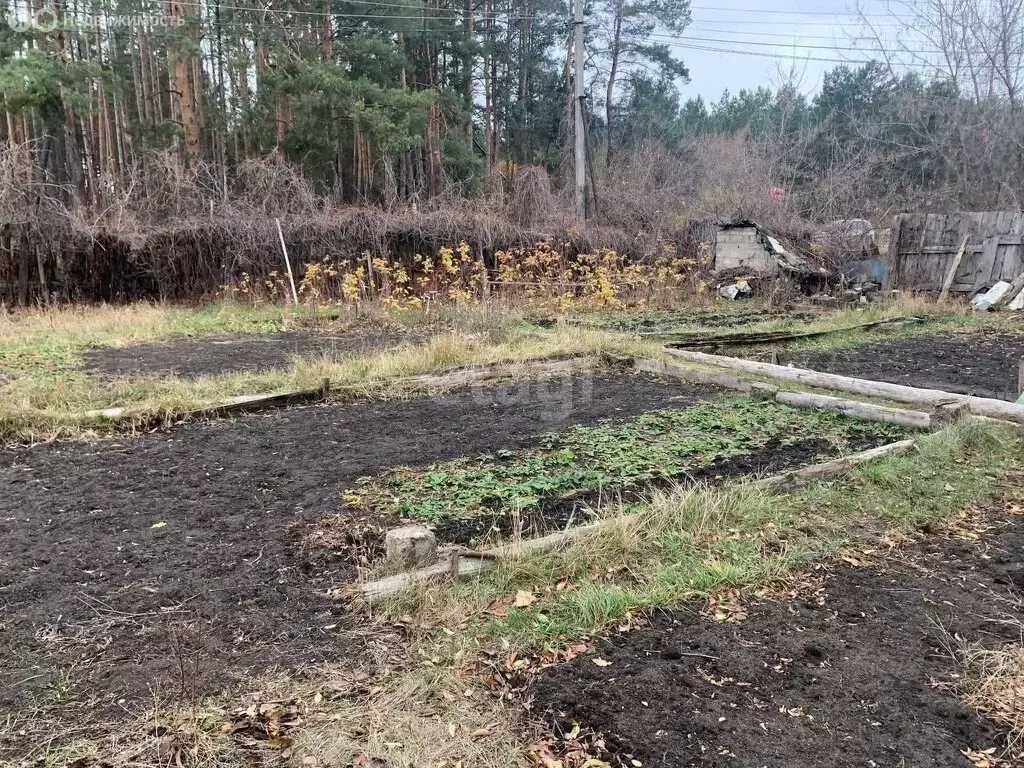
x,y
1001,295
855,288
746,252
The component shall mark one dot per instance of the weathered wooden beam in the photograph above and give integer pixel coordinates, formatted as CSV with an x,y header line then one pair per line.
x,y
374,591
427,384
981,406
952,271
938,250
857,410
805,475
237,404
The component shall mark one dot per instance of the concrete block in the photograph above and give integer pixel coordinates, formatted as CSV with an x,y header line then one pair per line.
x,y
411,546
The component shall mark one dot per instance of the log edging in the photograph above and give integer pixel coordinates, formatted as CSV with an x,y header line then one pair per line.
x,y
935,398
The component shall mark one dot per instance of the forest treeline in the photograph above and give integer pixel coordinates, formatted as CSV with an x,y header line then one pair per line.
x,y
123,115
381,101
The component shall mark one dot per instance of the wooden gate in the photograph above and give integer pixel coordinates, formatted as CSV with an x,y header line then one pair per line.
x,y
923,247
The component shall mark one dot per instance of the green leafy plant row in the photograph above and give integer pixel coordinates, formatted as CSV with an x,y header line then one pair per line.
x,y
611,455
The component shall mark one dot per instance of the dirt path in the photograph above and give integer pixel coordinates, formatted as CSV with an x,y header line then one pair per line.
x,y
840,676
124,563
221,354
983,364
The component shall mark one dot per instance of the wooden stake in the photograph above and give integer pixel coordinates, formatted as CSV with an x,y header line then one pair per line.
x,y
483,279
948,282
1020,383
287,263
371,287
44,290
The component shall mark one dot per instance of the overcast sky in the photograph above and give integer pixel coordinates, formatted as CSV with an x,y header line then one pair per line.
x,y
780,33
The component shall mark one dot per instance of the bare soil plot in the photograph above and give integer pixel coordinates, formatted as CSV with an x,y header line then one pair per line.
x,y
241,352
121,559
841,674
982,364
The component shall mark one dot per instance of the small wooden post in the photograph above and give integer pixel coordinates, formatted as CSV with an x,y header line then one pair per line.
x,y
1020,382
287,263
44,286
23,268
483,280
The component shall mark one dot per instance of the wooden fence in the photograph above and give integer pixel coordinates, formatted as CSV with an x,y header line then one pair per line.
x,y
923,247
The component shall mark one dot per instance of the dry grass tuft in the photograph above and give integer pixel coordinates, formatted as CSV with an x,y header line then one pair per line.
x,y
991,681
431,716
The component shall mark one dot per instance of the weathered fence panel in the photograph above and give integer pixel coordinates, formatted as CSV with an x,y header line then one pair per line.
x,y
923,247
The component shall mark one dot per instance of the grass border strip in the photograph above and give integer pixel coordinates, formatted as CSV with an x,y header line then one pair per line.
x,y
374,591
465,377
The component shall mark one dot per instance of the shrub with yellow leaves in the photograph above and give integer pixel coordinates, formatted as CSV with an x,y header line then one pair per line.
x,y
546,274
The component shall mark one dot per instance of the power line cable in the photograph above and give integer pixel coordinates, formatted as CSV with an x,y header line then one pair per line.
x,y
784,22
717,41
796,13
788,57
697,27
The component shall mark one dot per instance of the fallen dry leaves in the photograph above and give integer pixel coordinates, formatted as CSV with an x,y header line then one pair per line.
x,y
969,524
986,758
524,599
726,605
268,723
575,749
859,558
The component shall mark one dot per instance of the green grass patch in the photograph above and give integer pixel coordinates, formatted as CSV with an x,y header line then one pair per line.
x,y
615,454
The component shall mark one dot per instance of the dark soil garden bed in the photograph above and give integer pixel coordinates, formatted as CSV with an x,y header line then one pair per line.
x,y
242,352
982,364
568,473
121,560
843,675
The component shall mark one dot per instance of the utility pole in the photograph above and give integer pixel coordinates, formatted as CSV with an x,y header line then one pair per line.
x,y
581,147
